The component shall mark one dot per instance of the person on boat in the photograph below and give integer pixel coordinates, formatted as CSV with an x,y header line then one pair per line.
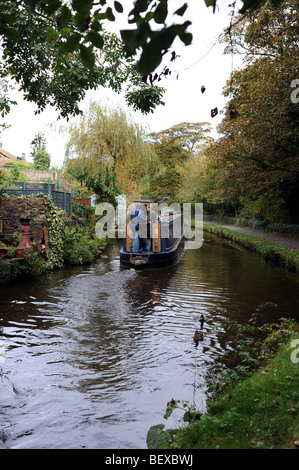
x,y
146,243
137,217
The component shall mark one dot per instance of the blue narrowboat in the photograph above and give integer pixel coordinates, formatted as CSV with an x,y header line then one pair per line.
x,y
166,244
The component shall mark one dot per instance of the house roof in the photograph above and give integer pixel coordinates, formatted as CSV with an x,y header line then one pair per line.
x,y
7,157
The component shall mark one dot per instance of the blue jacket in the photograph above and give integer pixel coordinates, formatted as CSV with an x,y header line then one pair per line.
x,y
136,217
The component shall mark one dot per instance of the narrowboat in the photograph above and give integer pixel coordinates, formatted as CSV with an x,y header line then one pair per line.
x,y
166,244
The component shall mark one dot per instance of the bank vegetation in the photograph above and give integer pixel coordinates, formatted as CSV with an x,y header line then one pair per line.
x,y
254,400
285,256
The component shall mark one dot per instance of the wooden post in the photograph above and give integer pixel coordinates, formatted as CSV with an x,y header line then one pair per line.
x,y
156,238
46,239
129,238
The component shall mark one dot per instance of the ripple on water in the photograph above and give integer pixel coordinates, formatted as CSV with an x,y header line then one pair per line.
x,y
92,355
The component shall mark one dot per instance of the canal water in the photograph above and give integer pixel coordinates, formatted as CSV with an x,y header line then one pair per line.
x,y
90,356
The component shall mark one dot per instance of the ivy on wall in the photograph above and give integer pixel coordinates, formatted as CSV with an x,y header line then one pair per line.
x,y
67,245
55,223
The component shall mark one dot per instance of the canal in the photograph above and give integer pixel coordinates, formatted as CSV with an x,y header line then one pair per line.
x,y
91,355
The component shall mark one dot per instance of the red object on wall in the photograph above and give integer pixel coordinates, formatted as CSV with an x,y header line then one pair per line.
x,y
85,201
25,230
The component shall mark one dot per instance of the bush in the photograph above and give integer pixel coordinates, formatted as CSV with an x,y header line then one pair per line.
x,y
80,246
266,209
55,222
32,263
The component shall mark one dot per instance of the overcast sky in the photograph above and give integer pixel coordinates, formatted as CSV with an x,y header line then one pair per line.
x,y
201,63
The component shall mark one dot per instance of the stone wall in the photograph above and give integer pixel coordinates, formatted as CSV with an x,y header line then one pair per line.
x,y
38,175
14,209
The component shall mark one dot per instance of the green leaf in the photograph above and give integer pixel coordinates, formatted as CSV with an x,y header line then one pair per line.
x,y
87,56
150,59
65,32
32,3
139,7
161,12
52,6
211,3
181,10
186,38
187,418
71,44
134,38
118,7
11,33
109,14
96,26
160,42
52,34
157,438
65,15
96,39
168,412
82,7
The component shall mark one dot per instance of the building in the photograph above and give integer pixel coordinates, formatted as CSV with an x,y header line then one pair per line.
x,y
6,157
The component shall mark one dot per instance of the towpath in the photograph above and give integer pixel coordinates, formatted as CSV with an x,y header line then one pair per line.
x,y
280,239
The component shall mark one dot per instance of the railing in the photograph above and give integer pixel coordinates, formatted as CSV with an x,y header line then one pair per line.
x,y
61,199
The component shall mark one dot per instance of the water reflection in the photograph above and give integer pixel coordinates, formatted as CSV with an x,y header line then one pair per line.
x,y
93,354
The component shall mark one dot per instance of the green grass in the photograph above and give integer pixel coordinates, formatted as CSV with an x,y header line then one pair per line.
x,y
286,256
260,412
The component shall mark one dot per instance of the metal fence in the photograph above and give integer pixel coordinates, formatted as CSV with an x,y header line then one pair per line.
x,y
61,199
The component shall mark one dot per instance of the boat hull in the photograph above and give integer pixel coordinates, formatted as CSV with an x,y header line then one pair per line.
x,y
150,259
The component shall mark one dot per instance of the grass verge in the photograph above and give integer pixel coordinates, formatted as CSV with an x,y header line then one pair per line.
x,y
261,411
286,256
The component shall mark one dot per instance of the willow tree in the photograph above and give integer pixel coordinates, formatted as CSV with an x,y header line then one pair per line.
x,y
107,150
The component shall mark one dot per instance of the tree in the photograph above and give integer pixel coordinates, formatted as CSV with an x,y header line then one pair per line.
x,y
258,150
41,157
107,150
190,136
175,147
56,49
43,52
199,183
38,142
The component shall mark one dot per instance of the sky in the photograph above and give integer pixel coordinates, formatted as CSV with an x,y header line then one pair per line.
x,y
200,64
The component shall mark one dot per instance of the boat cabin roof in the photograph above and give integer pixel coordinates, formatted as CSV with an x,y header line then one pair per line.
x,y
143,201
